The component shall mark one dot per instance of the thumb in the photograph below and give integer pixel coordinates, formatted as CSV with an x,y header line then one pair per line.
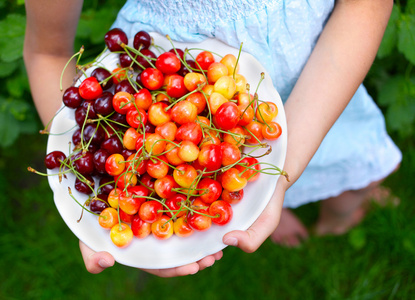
x,y
95,262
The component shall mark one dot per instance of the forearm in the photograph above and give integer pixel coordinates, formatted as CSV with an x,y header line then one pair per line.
x,y
50,33
337,66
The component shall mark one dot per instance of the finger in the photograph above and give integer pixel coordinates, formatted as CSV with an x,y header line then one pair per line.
x,y
209,260
189,269
95,262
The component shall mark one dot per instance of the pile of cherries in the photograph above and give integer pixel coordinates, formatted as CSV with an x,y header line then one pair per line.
x,y
164,137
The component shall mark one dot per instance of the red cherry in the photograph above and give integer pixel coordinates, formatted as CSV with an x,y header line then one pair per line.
x,y
90,88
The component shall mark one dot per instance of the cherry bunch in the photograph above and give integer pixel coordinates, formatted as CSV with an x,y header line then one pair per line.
x,y
165,136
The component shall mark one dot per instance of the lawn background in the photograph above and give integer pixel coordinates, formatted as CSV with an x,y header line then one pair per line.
x,y
40,258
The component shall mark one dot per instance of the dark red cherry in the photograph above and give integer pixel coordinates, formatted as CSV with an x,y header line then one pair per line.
x,y
106,184
76,137
53,159
91,110
114,38
144,61
126,60
100,157
84,187
112,145
184,69
84,162
127,153
98,204
178,52
142,40
93,134
71,97
118,118
101,75
103,104
124,86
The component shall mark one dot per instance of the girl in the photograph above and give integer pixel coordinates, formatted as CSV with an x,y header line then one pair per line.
x,y
317,53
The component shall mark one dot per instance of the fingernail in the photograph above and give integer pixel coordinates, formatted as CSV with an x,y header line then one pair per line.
x,y
103,263
231,241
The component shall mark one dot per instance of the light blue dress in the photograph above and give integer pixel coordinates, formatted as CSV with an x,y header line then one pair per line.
x,y
281,35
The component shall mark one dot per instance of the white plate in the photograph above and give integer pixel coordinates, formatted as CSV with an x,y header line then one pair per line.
x,y
151,253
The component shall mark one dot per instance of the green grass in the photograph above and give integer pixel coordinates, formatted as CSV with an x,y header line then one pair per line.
x,y
40,258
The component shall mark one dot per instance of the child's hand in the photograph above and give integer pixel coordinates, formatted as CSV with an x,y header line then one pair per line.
x,y
96,262
250,240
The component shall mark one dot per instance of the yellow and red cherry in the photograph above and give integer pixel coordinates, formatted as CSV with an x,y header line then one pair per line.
x,y
188,151
165,186
241,82
249,168
198,221
254,132
215,101
167,130
175,205
150,211
172,155
154,143
181,228
271,131
143,99
140,228
121,235
158,168
158,113
229,60
215,71
183,112
226,86
221,212
125,179
174,84
199,100
113,197
168,63
266,112
123,102
204,59
247,114
185,175
230,153
190,131
227,116
194,80
232,197
115,164
136,117
210,157
162,228
108,218
152,79
209,190
232,180
130,138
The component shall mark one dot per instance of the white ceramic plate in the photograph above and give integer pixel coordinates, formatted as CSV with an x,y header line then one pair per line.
x,y
151,253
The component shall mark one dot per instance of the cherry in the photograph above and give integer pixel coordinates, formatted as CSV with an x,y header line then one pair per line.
x,y
101,75
100,157
126,60
112,145
84,163
148,55
114,38
84,187
93,134
90,88
106,184
99,204
184,69
76,137
103,104
53,159
71,97
88,106
142,40
124,86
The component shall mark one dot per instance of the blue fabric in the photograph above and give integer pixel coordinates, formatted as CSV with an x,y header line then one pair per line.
x,y
281,35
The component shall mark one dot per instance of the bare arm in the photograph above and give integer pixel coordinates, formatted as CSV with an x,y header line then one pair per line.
x,y
337,66
50,34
